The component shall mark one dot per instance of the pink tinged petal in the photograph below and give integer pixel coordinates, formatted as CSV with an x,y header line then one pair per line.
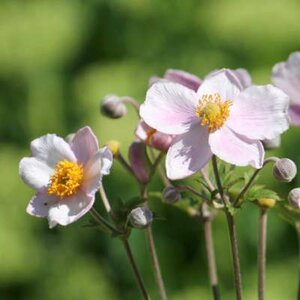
x,y
223,82
141,131
188,153
169,107
236,149
106,160
84,144
51,149
260,112
161,141
243,76
294,113
35,172
154,79
189,80
286,76
40,203
70,209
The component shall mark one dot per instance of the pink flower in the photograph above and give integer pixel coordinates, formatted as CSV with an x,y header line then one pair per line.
x,y
221,118
152,137
65,176
286,76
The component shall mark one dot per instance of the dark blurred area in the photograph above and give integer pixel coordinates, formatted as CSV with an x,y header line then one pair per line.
x,y
58,58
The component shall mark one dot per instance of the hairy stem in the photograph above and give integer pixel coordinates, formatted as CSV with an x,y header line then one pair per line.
x,y
262,246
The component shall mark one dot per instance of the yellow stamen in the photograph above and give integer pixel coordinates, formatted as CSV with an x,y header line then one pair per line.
x,y
212,111
66,179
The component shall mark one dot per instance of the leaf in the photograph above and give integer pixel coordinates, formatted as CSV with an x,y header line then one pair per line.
x,y
288,213
259,191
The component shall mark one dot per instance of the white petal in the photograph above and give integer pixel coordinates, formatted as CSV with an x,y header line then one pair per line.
x,y
35,172
236,149
106,160
51,149
260,112
188,153
169,107
70,209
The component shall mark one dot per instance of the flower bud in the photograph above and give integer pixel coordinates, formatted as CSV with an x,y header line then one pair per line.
x,y
171,195
266,202
272,143
114,146
139,161
294,198
284,170
113,107
140,217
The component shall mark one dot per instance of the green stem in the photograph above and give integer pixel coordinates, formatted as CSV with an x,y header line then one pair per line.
x,y
232,233
298,236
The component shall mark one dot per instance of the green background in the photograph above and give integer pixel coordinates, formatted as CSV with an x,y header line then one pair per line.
x,y
58,58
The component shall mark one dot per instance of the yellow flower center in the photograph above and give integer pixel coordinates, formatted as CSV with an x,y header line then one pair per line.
x,y
66,179
212,111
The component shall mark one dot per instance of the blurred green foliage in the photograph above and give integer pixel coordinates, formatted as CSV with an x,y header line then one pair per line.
x,y
57,59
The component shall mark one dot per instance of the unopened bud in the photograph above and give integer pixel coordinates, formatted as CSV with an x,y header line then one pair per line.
x,y
114,146
113,107
272,143
171,195
139,161
266,202
294,198
284,170
140,217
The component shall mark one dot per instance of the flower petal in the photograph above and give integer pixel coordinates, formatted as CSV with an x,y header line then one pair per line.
x,y
294,113
70,209
286,76
260,112
35,172
40,204
84,144
236,149
51,149
169,107
223,82
188,153
189,80
107,160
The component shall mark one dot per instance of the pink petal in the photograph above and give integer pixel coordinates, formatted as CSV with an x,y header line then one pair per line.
x,y
169,107
286,76
294,113
70,209
51,149
189,80
40,203
141,131
188,153
84,144
260,112
35,172
223,82
106,160
236,149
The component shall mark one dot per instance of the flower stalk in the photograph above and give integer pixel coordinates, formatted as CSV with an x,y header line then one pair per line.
x,y
298,236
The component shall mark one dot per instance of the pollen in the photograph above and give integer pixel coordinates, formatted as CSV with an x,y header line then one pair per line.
x,y
212,111
66,179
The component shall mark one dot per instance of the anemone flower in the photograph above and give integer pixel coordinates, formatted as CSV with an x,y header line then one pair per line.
x,y
286,76
65,175
221,118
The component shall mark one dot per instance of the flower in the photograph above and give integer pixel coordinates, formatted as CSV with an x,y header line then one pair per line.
x,y
65,176
286,76
221,118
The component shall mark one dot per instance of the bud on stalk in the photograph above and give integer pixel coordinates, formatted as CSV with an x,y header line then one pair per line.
x,y
284,170
140,217
294,198
112,107
171,195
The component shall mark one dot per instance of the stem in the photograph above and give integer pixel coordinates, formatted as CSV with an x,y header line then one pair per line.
x,y
232,234
211,258
106,203
248,184
133,102
190,189
262,246
135,270
161,172
124,163
298,235
210,185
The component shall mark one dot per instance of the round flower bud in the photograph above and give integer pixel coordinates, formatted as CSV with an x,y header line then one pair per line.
x,y
140,217
113,107
284,170
114,146
171,195
272,143
266,202
294,198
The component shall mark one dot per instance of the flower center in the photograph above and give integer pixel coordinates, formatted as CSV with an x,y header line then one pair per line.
x,y
212,111
66,179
